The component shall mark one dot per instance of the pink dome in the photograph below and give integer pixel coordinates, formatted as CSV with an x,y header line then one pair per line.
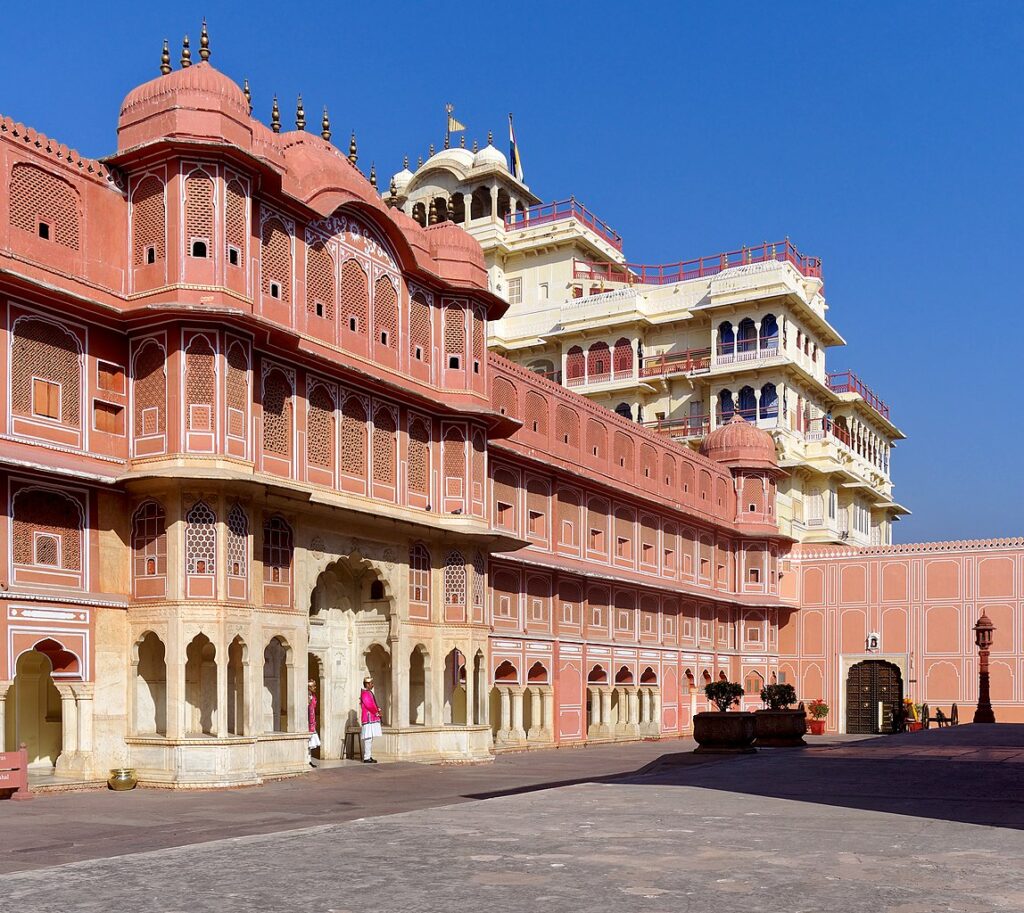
x,y
740,443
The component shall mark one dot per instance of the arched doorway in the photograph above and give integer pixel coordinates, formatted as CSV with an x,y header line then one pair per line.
x,y
874,690
36,718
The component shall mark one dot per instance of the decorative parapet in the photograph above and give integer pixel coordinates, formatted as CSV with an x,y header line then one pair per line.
x,y
70,159
805,553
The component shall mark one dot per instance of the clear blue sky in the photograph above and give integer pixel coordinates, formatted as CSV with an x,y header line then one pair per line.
x,y
884,137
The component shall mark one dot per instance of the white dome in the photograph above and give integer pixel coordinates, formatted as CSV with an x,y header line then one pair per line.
x,y
490,156
402,179
463,158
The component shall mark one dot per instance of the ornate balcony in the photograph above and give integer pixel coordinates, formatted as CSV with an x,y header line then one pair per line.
x,y
543,213
848,382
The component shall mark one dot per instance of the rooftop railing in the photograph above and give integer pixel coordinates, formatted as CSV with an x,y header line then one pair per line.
x,y
665,274
692,361
848,382
555,212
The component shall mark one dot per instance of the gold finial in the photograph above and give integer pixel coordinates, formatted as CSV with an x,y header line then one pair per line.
x,y
462,141
393,194
476,146
186,54
373,174
432,214
165,59
275,117
325,126
353,156
204,43
300,115
405,162
248,95
490,138
447,140
419,161
431,151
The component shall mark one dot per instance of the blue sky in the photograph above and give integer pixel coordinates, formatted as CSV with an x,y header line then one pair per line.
x,y
885,138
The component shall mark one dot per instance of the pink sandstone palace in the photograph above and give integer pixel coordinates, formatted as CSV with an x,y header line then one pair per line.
x,y
252,433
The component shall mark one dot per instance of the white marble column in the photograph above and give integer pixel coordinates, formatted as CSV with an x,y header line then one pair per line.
x,y
536,730
606,712
549,713
517,713
505,728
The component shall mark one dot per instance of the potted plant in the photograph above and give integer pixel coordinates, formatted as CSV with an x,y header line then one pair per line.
x,y
818,710
721,731
778,726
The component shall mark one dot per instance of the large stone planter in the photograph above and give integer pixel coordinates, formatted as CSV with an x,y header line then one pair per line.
x,y
724,733
780,728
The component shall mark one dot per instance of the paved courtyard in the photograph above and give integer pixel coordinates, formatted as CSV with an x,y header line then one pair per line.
x,y
918,823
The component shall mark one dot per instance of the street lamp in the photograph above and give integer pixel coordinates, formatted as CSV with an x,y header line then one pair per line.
x,y
984,631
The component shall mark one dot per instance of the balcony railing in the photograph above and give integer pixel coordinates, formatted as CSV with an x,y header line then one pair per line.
x,y
555,212
691,426
665,274
691,361
848,382
746,351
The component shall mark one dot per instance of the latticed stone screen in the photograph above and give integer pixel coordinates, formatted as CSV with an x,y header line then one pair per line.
x,y
597,439
568,516
575,363
277,259
353,437
419,328
623,355
385,446
199,207
237,387
419,574
150,389
623,451
320,427
47,529
355,296
454,579
45,350
277,414
149,540
419,457
235,229
536,413
504,397
454,456
238,541
479,580
479,333
200,539
37,196
320,282
149,221
648,461
200,384
567,426
454,330
477,468
385,311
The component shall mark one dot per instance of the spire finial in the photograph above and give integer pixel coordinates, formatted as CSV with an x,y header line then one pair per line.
x,y
165,59
275,117
405,162
325,126
432,214
431,150
490,138
353,155
393,193
476,146
248,96
204,43
373,174
419,161
300,114
186,54
447,140
462,141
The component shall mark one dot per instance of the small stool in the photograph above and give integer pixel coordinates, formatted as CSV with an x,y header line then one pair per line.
x,y
353,748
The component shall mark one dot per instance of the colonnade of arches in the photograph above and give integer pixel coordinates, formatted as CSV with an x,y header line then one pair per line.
x,y
601,362
522,712
622,708
755,404
482,202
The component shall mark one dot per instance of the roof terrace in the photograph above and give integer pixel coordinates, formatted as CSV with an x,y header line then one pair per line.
x,y
543,213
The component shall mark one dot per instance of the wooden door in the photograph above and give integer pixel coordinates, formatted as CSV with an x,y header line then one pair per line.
x,y
868,684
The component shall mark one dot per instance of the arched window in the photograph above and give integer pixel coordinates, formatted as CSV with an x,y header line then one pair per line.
x,y
150,389
480,205
726,338
46,372
47,529
277,551
238,542
597,439
536,413
725,405
319,282
419,329
277,413
625,410
320,427
200,540
623,451
149,222
355,298
599,361
385,313
276,261
769,401
454,579
385,445
623,357
479,580
237,388
769,332
504,397
575,364
149,541
748,403
567,425
419,574
200,384
746,338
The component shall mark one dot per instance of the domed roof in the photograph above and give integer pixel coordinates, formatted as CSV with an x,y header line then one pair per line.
x,y
463,158
490,156
401,179
739,443
200,79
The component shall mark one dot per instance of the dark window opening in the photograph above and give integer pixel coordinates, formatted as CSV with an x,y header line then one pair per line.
x,y
44,231
234,256
383,337
418,353
476,367
275,290
353,324
453,362
319,308
150,254
199,249
376,590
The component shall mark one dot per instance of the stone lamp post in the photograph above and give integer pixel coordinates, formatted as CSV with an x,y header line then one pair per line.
x,y
984,632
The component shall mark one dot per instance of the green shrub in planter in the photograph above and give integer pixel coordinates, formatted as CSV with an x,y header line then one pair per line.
x,y
724,694
778,697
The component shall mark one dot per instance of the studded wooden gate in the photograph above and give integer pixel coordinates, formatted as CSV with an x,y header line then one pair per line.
x,y
868,684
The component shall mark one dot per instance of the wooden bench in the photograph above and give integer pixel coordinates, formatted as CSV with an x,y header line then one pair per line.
x,y
14,773
940,719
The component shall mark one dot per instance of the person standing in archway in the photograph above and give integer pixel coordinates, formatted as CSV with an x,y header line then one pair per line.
x,y
314,738
370,716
